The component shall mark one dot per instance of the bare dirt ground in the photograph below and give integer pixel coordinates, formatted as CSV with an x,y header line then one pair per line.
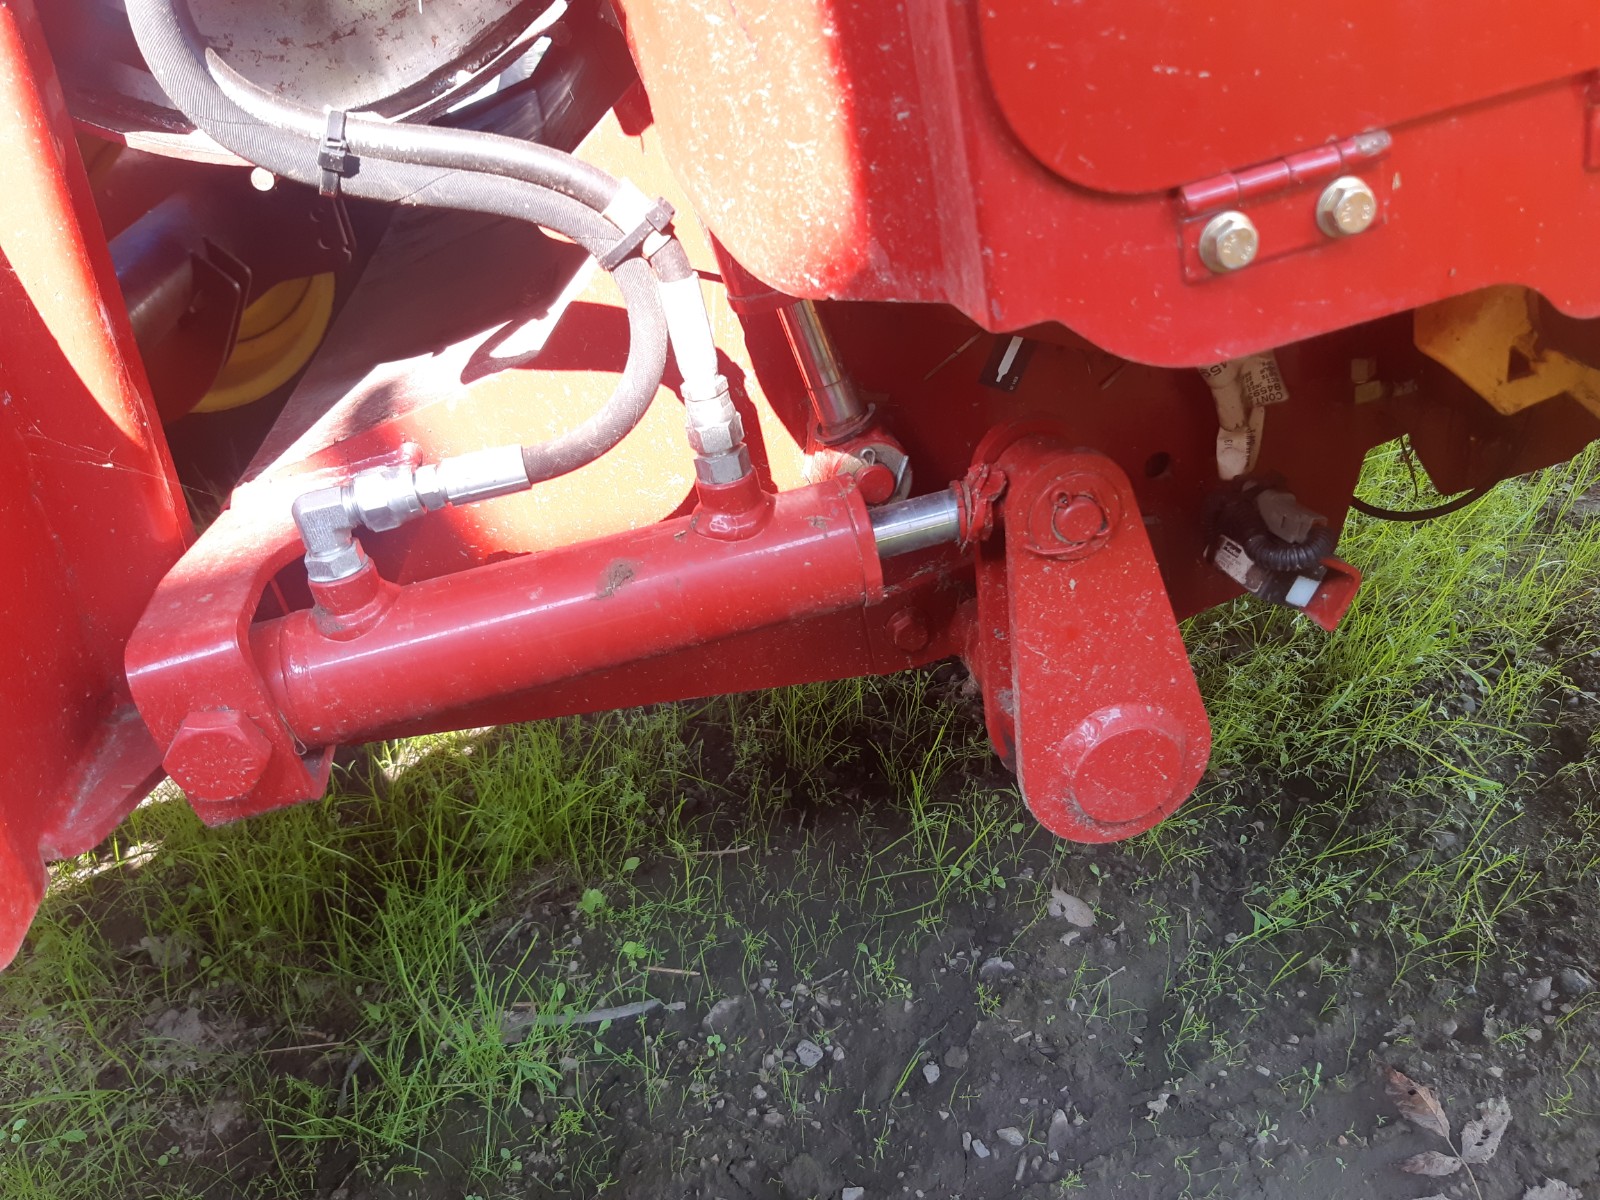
x,y
1109,1021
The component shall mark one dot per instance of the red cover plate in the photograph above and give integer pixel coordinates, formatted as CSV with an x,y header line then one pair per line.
x,y
1129,97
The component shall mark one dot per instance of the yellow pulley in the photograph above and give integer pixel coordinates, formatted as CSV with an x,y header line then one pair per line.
x,y
278,334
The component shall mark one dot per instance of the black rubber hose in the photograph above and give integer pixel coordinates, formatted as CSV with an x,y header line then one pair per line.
x,y
453,149
1272,551
425,145
175,54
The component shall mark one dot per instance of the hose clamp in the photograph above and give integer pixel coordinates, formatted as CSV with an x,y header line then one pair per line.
x,y
333,154
655,219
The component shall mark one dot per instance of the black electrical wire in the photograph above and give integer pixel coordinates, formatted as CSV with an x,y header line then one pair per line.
x,y
176,55
1422,514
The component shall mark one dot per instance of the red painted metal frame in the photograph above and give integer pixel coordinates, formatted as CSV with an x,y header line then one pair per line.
x,y
857,151
92,512
896,177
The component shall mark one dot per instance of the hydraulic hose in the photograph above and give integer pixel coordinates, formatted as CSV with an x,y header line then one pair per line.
x,y
176,55
424,145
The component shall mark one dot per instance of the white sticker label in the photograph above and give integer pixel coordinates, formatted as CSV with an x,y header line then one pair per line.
x,y
1233,562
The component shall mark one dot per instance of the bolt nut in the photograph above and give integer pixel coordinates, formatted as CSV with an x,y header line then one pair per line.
x,y
217,755
1346,207
1229,242
723,468
908,630
717,437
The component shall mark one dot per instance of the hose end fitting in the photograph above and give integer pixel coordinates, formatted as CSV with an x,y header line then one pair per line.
x,y
716,432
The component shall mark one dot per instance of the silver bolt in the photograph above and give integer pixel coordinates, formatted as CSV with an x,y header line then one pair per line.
x,y
1346,207
1228,242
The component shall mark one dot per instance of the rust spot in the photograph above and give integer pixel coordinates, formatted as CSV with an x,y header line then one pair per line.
x,y
817,522
615,577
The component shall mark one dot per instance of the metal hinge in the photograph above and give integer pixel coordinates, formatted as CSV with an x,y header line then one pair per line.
x,y
1294,203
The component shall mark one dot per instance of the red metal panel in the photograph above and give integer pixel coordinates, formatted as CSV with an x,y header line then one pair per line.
x,y
92,515
856,151
1134,97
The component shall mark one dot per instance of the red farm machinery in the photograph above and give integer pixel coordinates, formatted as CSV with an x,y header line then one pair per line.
x,y
552,356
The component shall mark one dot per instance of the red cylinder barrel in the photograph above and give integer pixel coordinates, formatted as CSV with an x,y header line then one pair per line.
x,y
499,629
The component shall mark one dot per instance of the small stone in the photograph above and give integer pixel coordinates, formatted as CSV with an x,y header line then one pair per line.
x,y
1448,1027
930,1072
726,1017
1263,1070
1533,1035
838,1054
808,1053
979,1149
995,969
966,1142
1538,990
758,1092
1575,982
1497,1072
1060,1133
773,1120
852,1193
1011,1136
956,1058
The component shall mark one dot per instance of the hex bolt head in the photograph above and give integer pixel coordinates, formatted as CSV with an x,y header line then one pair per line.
x,y
908,630
1229,242
217,755
1346,207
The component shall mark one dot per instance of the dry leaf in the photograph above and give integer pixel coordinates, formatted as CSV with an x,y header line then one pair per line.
x,y
1432,1163
1065,904
1553,1189
1481,1138
1418,1104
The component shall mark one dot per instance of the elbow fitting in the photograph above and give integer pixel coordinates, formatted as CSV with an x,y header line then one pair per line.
x,y
387,497
328,531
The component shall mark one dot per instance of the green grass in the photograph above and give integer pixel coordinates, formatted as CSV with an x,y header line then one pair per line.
x,y
391,940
